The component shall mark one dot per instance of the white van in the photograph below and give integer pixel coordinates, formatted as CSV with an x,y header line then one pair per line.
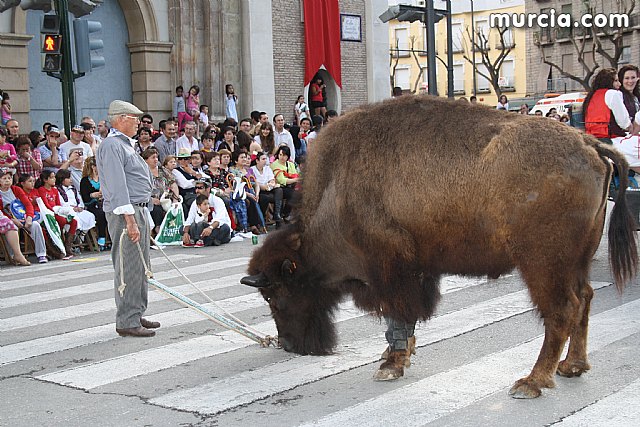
x,y
559,102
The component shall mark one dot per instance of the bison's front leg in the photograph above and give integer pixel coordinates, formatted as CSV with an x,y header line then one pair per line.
x,y
402,343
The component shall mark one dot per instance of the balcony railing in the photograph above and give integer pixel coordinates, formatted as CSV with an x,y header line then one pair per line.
x,y
564,85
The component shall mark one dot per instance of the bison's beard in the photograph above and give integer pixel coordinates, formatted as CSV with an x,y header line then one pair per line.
x,y
315,336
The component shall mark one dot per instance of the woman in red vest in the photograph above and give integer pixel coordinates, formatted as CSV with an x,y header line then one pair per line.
x,y
607,117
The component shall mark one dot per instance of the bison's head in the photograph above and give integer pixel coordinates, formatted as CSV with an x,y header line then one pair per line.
x,y
300,305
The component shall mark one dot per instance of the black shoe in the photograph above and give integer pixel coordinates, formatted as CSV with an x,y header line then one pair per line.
x,y
140,331
149,324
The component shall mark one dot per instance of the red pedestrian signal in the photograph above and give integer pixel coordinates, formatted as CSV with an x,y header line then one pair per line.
x,y
51,43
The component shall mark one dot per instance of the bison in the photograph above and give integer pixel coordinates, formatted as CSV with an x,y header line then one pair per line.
x,y
398,193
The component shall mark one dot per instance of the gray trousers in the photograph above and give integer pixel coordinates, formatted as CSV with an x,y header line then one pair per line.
x,y
133,304
38,239
398,332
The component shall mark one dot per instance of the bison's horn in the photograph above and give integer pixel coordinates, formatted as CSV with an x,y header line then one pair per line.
x,y
257,280
288,267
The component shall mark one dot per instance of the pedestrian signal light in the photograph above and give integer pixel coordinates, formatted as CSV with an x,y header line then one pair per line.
x,y
51,43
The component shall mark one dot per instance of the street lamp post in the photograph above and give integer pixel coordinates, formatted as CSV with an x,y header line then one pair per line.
x,y
473,50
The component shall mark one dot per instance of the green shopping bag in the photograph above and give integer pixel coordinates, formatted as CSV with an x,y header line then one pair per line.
x,y
51,225
172,225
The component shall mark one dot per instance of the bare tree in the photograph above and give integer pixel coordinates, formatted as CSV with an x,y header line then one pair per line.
x,y
607,43
481,45
394,53
415,53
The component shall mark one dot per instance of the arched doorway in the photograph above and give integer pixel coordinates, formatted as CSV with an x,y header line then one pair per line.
x,y
334,96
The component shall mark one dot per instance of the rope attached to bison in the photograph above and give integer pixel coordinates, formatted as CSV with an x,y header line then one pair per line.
x,y
217,314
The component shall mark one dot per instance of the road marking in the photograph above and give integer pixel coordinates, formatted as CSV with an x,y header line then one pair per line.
x,y
618,409
40,346
88,271
156,359
87,309
107,285
124,367
446,392
247,387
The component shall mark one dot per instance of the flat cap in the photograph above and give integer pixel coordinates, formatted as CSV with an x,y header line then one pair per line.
x,y
118,107
204,180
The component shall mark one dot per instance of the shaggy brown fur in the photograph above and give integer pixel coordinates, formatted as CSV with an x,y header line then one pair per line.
x,y
398,193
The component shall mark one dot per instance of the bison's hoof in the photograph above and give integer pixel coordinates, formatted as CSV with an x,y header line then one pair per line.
x,y
526,388
411,350
388,374
393,367
573,369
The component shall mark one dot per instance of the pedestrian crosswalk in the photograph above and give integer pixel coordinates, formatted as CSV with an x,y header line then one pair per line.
x,y
484,336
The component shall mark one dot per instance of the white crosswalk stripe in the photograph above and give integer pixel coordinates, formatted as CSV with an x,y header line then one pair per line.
x,y
239,395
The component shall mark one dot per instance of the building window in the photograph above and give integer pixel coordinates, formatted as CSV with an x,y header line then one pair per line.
x,y
625,56
402,78
458,79
483,84
507,38
507,76
457,37
425,48
564,32
401,41
545,33
482,33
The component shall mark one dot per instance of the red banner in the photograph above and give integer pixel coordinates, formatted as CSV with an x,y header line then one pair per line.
x,y
322,38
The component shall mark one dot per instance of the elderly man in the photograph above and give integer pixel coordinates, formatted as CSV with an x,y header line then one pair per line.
x,y
126,184
188,140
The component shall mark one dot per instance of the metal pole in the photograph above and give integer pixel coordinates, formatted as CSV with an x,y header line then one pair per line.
x,y
68,97
449,52
473,51
431,48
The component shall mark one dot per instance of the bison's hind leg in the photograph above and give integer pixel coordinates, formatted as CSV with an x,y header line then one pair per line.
x,y
554,289
576,363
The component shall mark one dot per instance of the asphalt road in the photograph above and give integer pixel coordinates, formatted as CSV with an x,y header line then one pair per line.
x,y
61,362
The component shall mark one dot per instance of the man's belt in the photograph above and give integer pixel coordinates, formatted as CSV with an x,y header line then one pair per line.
x,y
142,205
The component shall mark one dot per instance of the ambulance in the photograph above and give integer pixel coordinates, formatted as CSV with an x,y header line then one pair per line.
x,y
559,102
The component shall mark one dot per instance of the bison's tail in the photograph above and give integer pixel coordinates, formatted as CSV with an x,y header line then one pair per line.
x,y
623,253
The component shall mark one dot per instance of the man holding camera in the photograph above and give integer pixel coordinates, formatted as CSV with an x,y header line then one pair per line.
x,y
76,141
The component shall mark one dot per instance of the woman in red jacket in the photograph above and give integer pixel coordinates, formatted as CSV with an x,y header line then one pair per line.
x,y
51,198
8,194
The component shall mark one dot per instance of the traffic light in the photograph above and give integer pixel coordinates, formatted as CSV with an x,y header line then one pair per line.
x,y
51,44
408,13
85,45
8,4
36,5
80,8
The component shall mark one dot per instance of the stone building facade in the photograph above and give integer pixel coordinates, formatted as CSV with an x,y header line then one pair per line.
x,y
558,48
256,45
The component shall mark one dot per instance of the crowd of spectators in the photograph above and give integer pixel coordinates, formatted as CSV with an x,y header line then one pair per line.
x,y
243,172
